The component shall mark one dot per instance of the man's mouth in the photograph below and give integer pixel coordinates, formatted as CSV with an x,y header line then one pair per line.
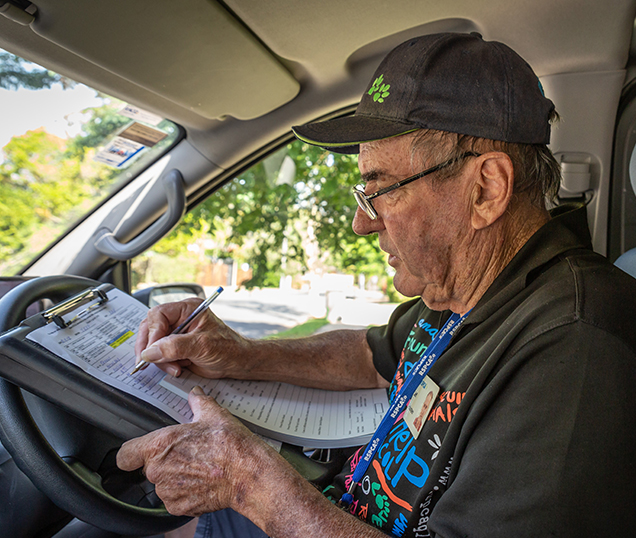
x,y
392,260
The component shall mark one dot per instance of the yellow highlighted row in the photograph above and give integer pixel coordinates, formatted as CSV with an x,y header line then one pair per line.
x,y
121,339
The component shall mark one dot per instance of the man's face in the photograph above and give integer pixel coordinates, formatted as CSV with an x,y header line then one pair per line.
x,y
424,228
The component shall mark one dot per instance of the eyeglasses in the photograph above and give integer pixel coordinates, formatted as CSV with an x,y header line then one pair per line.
x,y
364,200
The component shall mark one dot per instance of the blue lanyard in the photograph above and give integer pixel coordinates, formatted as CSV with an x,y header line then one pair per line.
x,y
414,380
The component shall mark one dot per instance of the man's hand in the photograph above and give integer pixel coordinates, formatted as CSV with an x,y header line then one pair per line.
x,y
207,465
215,463
209,348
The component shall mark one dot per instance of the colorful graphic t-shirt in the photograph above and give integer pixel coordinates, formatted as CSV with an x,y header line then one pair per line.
x,y
397,492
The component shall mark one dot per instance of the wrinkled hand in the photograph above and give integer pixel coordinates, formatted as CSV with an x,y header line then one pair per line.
x,y
209,347
212,463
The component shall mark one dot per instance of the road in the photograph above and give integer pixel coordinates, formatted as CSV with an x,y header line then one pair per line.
x,y
259,313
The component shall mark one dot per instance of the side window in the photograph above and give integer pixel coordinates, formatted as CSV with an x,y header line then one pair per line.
x,y
622,236
281,229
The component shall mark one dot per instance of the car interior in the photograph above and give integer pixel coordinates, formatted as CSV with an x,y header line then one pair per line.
x,y
234,76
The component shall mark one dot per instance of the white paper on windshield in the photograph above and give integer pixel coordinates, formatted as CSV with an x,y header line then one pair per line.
x,y
139,114
297,415
102,343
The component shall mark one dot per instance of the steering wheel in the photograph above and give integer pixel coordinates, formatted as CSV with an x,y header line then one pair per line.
x,y
74,487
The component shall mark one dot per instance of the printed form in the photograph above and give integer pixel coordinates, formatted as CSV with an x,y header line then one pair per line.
x,y
297,415
101,342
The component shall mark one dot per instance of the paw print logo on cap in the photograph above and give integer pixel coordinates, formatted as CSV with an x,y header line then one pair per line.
x,y
379,90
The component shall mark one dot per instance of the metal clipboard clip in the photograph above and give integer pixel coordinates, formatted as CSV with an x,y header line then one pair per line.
x,y
56,312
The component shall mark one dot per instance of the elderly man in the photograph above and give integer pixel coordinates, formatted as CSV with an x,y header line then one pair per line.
x,y
523,328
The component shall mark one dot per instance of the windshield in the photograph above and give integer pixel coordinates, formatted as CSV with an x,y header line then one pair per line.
x,y
65,148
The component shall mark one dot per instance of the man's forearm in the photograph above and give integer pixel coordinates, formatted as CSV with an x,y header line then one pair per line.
x,y
285,505
336,360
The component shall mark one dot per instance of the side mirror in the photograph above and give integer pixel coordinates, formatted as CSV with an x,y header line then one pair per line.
x,y
168,293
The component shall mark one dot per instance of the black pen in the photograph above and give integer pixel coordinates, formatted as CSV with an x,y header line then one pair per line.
x,y
181,328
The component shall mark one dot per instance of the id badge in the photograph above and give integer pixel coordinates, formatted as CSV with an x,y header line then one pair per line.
x,y
420,406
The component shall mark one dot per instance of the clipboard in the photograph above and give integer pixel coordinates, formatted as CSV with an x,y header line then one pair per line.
x,y
39,371
56,313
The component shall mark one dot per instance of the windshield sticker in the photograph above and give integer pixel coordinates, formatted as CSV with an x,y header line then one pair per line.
x,y
138,132
118,152
139,114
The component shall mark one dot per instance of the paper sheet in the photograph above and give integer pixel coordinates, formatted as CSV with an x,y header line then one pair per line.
x,y
102,343
297,415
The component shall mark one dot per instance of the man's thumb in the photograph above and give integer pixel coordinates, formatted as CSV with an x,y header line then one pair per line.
x,y
199,403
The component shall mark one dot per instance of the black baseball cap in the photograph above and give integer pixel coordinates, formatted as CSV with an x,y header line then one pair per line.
x,y
450,82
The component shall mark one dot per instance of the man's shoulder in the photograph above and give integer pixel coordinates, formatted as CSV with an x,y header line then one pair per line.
x,y
586,288
603,291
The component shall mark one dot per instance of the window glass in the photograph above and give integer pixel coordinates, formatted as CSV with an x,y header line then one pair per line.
x,y
65,148
622,217
629,206
284,225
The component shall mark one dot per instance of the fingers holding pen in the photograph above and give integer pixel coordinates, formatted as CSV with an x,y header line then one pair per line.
x,y
199,351
171,352
207,346
163,319
159,323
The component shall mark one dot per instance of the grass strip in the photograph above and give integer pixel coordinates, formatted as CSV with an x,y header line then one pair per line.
x,y
303,329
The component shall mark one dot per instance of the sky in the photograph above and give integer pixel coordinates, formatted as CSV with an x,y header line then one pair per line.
x,y
55,109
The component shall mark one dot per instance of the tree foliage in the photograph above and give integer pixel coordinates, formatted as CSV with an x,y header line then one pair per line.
x,y
280,226
329,179
16,73
47,182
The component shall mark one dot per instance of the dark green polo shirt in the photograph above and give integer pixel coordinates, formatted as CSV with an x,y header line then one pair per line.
x,y
533,432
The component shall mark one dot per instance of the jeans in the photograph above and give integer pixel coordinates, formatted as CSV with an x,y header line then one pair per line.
x,y
227,524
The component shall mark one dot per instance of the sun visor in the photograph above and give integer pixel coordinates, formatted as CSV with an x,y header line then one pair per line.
x,y
194,53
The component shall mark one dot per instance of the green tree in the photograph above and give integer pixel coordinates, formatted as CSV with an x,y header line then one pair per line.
x,y
264,221
39,184
47,182
329,179
16,219
15,72
259,214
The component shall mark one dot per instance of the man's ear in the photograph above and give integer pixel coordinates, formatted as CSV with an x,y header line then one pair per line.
x,y
492,189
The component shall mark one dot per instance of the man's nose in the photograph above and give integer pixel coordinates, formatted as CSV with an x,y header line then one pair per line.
x,y
363,225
